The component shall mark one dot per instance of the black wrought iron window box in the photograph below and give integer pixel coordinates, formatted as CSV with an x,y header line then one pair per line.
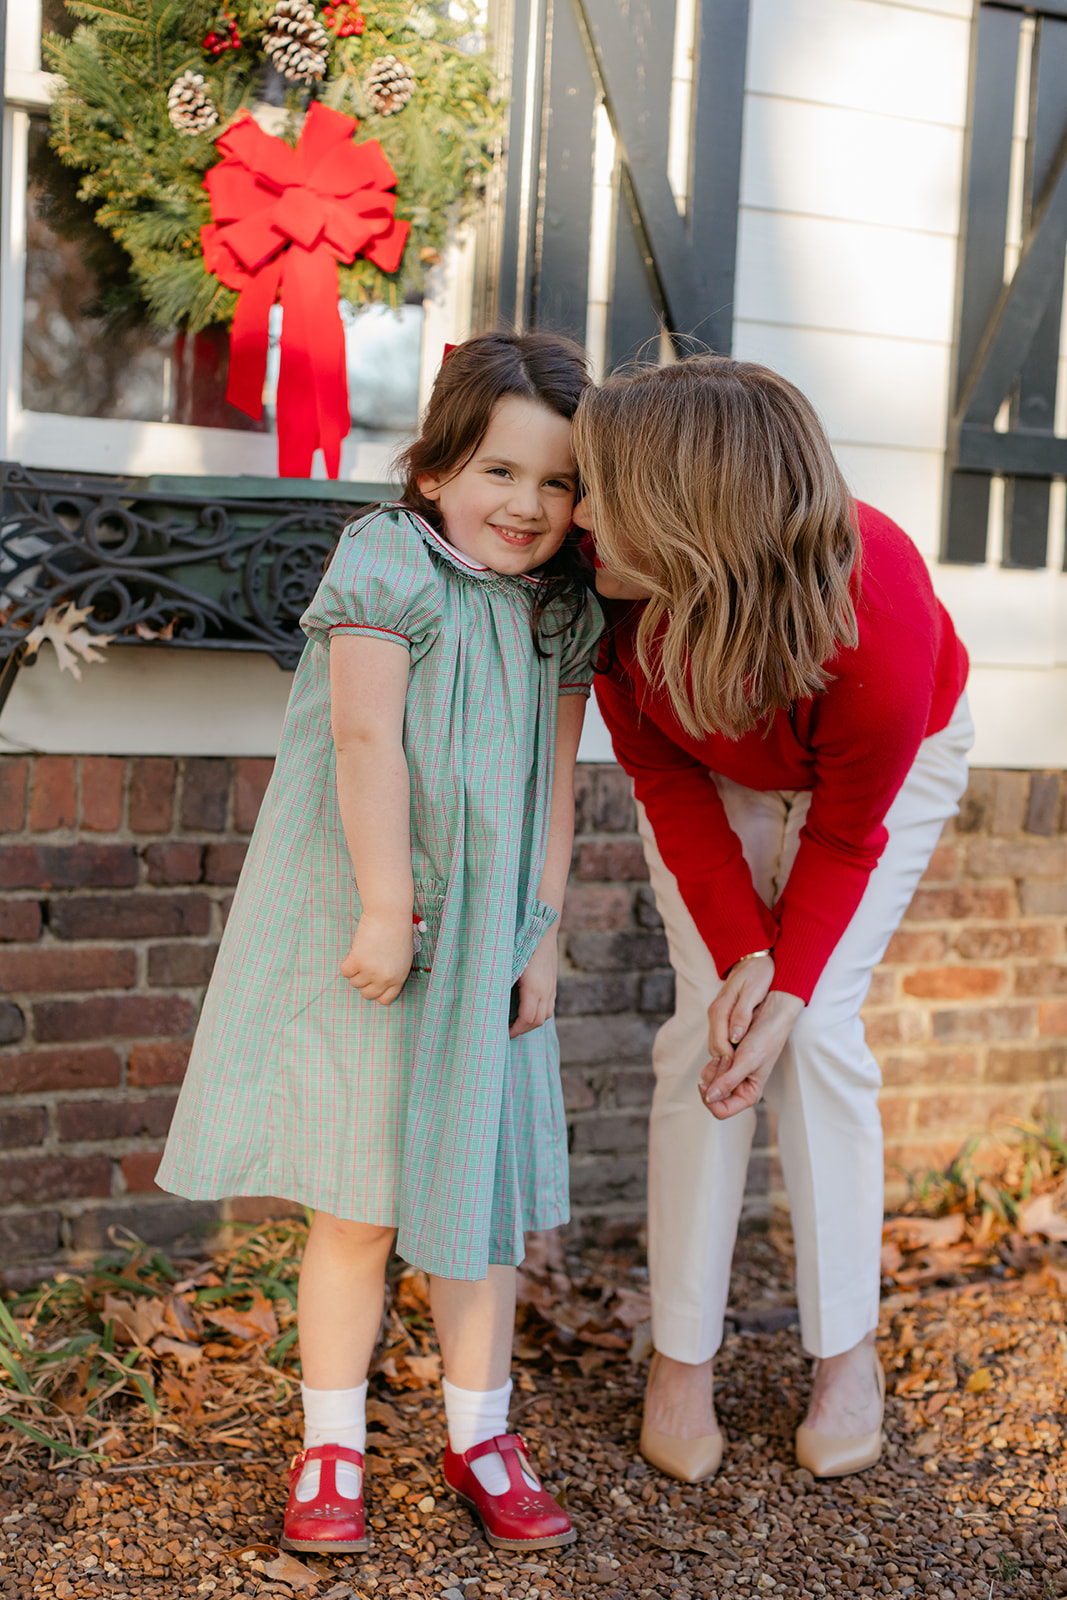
x,y
176,563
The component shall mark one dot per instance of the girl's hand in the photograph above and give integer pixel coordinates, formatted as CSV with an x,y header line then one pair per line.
x,y
732,1082
381,956
537,987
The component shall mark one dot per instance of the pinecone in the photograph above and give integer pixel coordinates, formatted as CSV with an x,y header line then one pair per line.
x,y
389,85
189,106
296,43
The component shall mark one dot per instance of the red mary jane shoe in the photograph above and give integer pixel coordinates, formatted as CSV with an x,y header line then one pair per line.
x,y
331,1522
522,1518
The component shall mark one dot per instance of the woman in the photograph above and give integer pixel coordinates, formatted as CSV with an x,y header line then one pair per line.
x,y
788,701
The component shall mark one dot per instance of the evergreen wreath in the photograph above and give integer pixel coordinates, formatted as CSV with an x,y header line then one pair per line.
x,y
130,118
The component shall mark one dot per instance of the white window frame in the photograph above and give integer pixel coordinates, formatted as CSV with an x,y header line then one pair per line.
x,y
143,449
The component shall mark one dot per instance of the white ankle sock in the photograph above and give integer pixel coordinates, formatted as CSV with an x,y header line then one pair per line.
x,y
333,1416
475,1415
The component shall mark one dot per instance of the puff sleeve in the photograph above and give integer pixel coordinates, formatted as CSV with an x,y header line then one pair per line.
x,y
581,643
381,581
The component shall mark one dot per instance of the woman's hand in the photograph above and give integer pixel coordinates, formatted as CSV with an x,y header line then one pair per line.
x,y
733,1079
381,956
730,1014
537,987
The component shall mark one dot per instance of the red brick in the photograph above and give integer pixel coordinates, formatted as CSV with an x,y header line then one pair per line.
x,y
633,1088
12,1023
51,969
907,947
997,858
21,1126
991,943
1043,809
895,1111
152,794
942,865
251,777
608,860
1010,792
954,983
139,1170
893,1027
20,921
1043,899
175,861
984,1022
960,905
125,1016
577,1094
70,866
181,966
618,1131
162,1062
1021,1065
1046,978
1052,1018
131,916
14,773
30,1235
115,1119
614,810
933,1067
89,1067
601,906
52,794
102,782
223,862
29,1181
883,990
968,1113
205,794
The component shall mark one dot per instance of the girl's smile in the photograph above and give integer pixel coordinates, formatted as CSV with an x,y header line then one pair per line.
x,y
509,507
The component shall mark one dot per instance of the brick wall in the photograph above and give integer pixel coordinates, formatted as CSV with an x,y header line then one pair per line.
x,y
116,876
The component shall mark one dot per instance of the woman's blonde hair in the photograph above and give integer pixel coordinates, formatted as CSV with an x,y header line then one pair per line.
x,y
713,486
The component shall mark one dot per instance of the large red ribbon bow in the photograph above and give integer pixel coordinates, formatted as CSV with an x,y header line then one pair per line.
x,y
284,217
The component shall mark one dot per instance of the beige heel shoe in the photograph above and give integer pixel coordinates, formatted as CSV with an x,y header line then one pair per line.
x,y
826,1456
688,1460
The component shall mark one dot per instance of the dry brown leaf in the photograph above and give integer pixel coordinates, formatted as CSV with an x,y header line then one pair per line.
x,y
288,1570
381,1411
135,1322
1039,1215
631,1306
979,1381
259,1323
61,627
918,1233
186,1355
892,1257
426,1368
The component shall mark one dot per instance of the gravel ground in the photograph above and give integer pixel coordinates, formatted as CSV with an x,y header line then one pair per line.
x,y
967,1500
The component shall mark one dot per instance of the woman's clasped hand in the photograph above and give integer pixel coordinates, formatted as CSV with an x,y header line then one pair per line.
x,y
748,1025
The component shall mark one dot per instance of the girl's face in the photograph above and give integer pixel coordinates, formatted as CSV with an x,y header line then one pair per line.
x,y
611,585
509,508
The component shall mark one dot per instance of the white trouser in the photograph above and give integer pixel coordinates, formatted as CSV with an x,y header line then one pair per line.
x,y
823,1090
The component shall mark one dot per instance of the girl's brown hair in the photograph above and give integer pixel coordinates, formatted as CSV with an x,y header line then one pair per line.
x,y
543,367
713,486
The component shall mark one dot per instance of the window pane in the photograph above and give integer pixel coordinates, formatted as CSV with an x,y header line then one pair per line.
x,y
89,350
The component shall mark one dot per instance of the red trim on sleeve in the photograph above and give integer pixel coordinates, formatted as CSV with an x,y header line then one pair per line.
x,y
367,627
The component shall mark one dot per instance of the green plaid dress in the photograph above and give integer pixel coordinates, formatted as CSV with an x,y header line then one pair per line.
x,y
421,1115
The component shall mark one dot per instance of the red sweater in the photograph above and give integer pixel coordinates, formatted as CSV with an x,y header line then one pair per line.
x,y
852,746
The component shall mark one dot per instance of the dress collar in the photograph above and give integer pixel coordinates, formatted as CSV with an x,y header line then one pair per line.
x,y
456,558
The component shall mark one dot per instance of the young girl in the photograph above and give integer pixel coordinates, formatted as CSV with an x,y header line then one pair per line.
x,y
408,867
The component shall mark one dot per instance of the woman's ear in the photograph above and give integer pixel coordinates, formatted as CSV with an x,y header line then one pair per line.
x,y
430,486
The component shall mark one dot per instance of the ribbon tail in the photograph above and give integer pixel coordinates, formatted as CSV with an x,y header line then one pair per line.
x,y
313,381
250,339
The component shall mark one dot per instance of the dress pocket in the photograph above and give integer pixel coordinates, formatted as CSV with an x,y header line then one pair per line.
x,y
429,907
538,919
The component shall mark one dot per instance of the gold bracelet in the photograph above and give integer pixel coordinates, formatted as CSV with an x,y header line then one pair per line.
x,y
753,955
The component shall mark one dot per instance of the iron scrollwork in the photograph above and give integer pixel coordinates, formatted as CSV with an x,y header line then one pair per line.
x,y
208,573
